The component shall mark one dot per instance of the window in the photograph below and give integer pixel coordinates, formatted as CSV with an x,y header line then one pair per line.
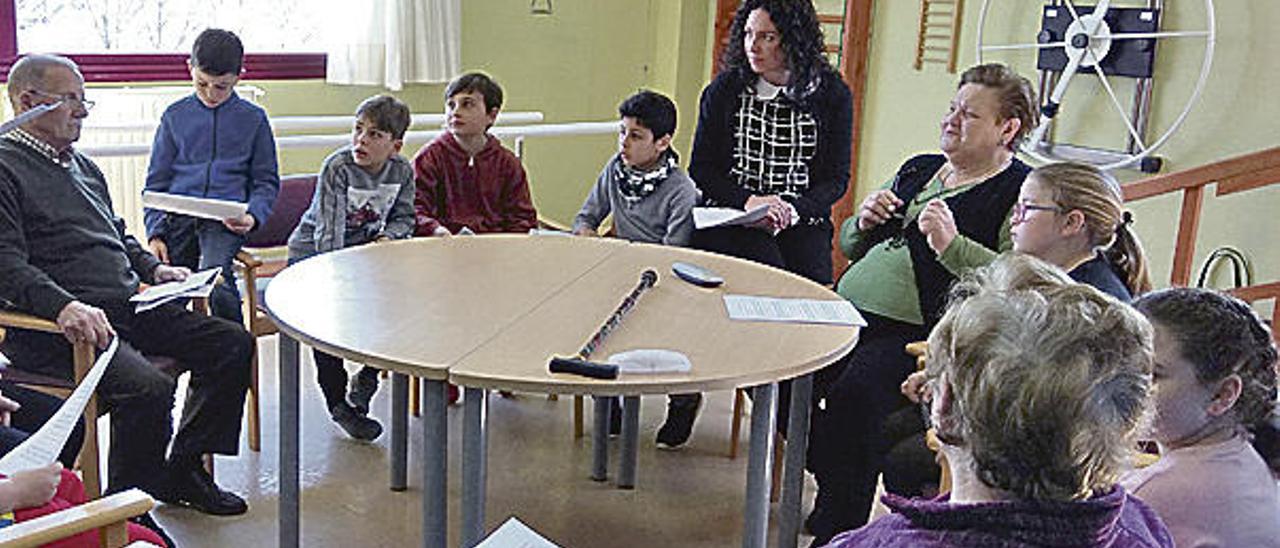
x,y
147,40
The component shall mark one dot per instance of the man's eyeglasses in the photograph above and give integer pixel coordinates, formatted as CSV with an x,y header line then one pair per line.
x,y
70,99
1020,210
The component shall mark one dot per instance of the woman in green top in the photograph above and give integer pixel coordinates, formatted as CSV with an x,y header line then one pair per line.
x,y
940,215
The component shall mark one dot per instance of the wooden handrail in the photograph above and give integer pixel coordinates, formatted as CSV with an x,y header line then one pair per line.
x,y
1245,172
1230,169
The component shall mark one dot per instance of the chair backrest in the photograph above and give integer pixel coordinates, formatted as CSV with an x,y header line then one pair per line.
x,y
294,198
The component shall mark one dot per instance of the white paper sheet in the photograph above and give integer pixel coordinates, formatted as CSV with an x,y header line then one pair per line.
x,y
46,443
515,534
197,285
773,309
31,114
707,217
205,208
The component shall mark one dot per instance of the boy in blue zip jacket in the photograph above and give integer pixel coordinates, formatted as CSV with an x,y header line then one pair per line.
x,y
212,144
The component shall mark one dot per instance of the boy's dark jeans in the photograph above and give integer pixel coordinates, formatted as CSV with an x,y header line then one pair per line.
x,y
200,244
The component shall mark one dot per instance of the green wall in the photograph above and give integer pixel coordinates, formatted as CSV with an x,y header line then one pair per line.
x,y
1236,114
574,65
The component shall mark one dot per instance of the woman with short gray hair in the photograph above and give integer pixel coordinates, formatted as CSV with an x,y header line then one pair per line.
x,y
1040,387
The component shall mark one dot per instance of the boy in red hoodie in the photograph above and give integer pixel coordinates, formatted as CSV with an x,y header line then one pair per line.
x,y
465,178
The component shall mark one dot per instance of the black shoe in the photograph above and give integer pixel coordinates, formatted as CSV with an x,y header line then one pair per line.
x,y
191,485
149,522
363,387
354,424
682,410
615,417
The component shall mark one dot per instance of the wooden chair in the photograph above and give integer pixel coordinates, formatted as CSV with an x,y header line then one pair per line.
x,y
62,388
108,514
920,349
255,264
83,357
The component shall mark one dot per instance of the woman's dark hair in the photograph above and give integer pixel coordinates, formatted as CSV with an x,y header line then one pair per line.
x,y
802,42
1220,335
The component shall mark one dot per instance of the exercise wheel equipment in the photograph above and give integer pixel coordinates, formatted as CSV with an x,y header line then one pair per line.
x,y
1108,42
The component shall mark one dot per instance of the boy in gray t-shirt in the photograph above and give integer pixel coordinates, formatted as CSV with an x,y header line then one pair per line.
x,y
650,197
364,194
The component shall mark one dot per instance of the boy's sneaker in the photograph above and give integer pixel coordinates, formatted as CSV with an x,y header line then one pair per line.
x,y
363,387
682,410
354,424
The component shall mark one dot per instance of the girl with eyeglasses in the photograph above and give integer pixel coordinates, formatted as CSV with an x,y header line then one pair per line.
x,y
1072,215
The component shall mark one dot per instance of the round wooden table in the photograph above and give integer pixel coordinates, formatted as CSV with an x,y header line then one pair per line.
x,y
488,313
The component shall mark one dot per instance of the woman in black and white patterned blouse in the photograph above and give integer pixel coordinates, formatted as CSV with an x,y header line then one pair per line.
x,y
773,129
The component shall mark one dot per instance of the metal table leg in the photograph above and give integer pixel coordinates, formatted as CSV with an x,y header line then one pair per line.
x,y
399,431
474,440
764,414
600,439
630,442
793,467
289,499
435,445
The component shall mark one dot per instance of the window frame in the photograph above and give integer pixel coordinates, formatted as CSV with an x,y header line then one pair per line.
x,y
154,67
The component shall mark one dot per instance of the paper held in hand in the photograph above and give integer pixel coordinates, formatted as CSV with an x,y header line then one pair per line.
x,y
198,285
773,309
707,217
43,446
205,208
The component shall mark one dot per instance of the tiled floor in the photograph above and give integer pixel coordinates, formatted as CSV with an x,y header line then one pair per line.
x,y
692,497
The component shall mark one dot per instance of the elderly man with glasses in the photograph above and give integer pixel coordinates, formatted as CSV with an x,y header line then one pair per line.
x,y
65,256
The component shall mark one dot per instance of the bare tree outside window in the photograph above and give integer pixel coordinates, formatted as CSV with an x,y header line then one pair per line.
x,y
156,26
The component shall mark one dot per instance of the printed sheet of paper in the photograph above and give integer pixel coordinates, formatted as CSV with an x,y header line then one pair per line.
x,y
197,285
515,534
44,446
707,217
29,115
205,208
772,309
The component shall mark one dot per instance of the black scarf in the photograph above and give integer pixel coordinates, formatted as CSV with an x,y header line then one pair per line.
x,y
636,184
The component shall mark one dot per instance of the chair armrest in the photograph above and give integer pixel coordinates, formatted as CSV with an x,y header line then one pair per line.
x,y
22,320
103,512
248,260
82,351
918,348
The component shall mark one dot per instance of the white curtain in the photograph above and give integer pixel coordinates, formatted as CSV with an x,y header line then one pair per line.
x,y
394,42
